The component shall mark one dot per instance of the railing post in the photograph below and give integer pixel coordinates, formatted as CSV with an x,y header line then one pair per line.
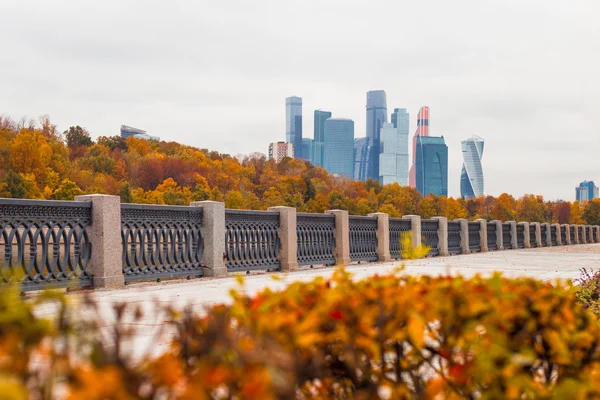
x,y
106,262
590,234
213,236
548,234
464,235
577,238
513,234
342,236
288,238
597,233
558,234
499,234
383,236
442,236
567,234
526,241
483,234
415,229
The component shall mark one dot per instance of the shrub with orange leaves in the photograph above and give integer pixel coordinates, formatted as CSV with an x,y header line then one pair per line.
x,y
393,337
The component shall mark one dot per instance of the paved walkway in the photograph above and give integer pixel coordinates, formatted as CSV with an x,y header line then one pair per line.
x,y
545,263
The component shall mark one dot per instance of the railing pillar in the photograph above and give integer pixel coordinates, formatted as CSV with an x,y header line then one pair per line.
x,y
526,237
548,234
597,233
415,229
590,234
442,236
288,238
342,236
558,234
577,238
567,234
499,234
464,235
106,261
538,233
383,236
483,234
513,234
213,236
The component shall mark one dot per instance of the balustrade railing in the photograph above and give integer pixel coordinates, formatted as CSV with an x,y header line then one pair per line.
x,y
474,237
553,237
161,241
520,236
580,232
398,228
563,234
532,235
506,236
572,233
492,239
316,241
430,236
454,237
45,243
594,234
363,238
544,235
251,240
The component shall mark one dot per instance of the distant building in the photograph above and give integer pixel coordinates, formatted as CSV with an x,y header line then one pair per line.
x,y
422,130
279,150
393,156
362,158
319,134
293,123
128,131
471,176
376,117
586,191
307,149
431,166
339,146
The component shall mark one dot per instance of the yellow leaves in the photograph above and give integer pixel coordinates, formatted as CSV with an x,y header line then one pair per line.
x,y
12,389
416,330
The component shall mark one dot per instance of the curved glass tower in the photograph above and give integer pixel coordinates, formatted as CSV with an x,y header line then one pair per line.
x,y
471,176
376,117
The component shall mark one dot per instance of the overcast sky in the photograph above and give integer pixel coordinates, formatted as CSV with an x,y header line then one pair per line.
x,y
522,74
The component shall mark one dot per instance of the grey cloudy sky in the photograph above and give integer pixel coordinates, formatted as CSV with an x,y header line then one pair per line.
x,y
522,74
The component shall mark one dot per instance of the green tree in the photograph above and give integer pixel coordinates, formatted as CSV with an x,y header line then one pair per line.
x,y
125,193
15,185
77,136
67,190
591,212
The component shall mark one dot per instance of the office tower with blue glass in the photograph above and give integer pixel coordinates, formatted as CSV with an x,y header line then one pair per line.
x,y
376,117
586,191
319,135
339,146
471,175
393,156
431,166
293,123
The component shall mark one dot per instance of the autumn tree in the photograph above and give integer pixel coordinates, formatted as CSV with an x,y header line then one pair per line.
x,y
591,212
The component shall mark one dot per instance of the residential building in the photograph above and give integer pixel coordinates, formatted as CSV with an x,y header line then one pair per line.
x,y
279,150
422,130
586,191
293,123
431,166
319,132
471,176
376,117
339,146
129,131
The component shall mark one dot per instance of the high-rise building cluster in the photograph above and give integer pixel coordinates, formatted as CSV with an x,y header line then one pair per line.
x,y
383,154
586,191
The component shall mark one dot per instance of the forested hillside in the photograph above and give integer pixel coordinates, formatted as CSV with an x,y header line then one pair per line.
x,y
39,162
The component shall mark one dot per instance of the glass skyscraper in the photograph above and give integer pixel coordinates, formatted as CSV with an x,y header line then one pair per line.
x,y
339,146
431,166
586,191
319,134
471,176
422,130
376,117
293,123
362,158
307,149
393,159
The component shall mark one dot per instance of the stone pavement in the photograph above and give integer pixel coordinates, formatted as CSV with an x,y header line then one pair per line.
x,y
548,263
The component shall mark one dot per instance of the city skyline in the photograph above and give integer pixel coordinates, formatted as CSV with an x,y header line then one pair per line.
x,y
179,75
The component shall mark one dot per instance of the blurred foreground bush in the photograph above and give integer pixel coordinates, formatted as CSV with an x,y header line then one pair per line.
x,y
382,337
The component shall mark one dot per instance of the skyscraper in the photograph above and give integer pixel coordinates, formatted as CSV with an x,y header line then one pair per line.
x,y
393,159
376,117
307,149
362,158
402,124
471,176
422,130
586,191
293,123
319,132
339,146
431,166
